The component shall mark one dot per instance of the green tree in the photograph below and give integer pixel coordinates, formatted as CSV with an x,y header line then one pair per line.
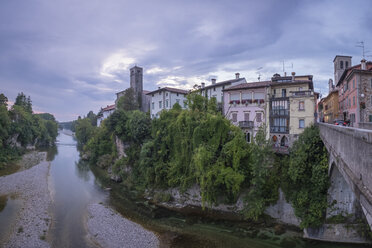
x,y
84,130
24,102
128,101
93,118
307,181
3,100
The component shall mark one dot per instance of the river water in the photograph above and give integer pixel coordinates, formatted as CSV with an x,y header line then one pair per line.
x,y
75,186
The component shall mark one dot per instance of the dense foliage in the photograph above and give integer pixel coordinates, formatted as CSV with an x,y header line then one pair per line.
x,y
19,127
307,179
199,146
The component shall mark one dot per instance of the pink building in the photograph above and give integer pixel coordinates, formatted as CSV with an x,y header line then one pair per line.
x,y
355,94
245,106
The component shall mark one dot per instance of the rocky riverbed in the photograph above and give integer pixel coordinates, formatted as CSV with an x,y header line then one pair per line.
x,y
32,221
109,229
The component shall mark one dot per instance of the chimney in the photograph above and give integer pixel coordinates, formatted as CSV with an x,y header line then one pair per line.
x,y
363,64
213,81
159,87
293,76
285,74
237,75
330,85
202,84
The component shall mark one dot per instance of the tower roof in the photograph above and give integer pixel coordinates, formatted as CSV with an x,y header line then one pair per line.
x,y
342,56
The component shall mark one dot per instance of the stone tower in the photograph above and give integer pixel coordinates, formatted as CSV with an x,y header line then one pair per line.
x,y
340,64
136,82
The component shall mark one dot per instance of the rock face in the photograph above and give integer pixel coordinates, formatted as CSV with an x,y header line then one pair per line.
x,y
110,229
335,233
283,211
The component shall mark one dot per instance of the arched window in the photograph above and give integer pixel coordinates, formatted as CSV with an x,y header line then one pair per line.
x,y
341,64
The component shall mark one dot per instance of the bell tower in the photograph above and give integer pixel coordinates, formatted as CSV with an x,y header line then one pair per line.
x,y
340,63
136,82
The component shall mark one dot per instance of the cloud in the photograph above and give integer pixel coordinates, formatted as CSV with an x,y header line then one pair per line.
x,y
72,56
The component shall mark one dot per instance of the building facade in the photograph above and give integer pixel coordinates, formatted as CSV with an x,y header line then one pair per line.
x,y
104,113
216,89
355,94
245,106
291,108
164,99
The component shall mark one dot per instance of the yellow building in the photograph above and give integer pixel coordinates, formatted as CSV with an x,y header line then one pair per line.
x,y
330,107
291,108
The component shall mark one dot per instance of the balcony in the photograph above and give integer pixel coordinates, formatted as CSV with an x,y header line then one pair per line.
x,y
279,112
301,93
279,129
246,124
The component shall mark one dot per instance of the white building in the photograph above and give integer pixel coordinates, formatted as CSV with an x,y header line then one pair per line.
x,y
104,113
216,89
165,98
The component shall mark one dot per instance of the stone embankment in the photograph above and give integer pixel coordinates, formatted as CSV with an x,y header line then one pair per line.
x,y
32,222
109,229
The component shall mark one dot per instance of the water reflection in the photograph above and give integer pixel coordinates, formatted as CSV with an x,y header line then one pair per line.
x,y
9,206
83,170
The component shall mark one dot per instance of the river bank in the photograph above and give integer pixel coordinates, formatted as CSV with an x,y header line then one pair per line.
x,y
32,220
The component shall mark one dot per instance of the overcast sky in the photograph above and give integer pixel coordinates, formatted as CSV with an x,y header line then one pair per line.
x,y
72,56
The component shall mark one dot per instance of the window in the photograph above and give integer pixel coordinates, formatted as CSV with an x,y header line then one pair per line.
x,y
301,123
178,101
284,92
353,83
370,118
153,105
353,100
248,137
274,92
177,94
223,87
166,103
301,105
341,64
152,95
347,86
234,117
299,88
166,94
214,88
159,104
371,82
346,64
371,100
246,116
159,92
258,117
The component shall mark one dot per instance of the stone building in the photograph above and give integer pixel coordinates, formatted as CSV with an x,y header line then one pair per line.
x,y
355,94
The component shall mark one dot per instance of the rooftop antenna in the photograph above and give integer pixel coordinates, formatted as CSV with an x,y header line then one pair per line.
x,y
259,73
364,52
284,72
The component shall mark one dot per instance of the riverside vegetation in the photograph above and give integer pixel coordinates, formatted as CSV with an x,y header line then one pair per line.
x,y
21,128
200,146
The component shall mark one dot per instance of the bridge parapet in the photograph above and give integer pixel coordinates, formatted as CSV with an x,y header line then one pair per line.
x,y
351,150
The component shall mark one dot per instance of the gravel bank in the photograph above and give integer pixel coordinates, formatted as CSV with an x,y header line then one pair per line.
x,y
33,220
110,229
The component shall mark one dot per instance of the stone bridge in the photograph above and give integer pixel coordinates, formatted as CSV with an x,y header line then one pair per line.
x,y
350,169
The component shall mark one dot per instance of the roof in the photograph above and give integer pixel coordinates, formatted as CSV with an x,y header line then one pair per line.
x,y
341,56
170,90
223,83
108,108
355,68
310,82
249,85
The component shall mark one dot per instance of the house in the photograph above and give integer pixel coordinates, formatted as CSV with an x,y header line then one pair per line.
x,y
245,106
355,93
291,108
164,98
330,104
216,89
104,113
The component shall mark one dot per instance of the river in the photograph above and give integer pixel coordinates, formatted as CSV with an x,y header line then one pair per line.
x,y
74,186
